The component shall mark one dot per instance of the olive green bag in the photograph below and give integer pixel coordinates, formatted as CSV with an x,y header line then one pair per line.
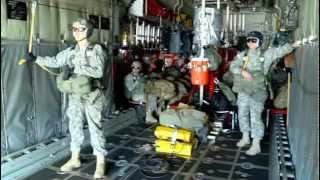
x,y
242,85
228,93
77,85
81,85
163,89
214,58
65,86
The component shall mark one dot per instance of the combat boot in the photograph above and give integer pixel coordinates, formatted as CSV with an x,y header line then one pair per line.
x,y
100,167
74,162
244,140
150,119
255,147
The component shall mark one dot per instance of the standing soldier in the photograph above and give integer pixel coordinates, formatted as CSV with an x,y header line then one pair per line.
x,y
249,69
86,98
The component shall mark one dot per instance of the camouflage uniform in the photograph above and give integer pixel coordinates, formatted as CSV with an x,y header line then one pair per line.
x,y
88,62
135,87
251,98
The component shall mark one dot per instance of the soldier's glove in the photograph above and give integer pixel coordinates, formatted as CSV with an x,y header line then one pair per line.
x,y
30,57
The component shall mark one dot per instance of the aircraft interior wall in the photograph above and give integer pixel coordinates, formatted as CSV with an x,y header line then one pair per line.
x,y
303,125
53,20
30,99
32,108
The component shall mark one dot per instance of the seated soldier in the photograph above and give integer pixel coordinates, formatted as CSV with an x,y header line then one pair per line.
x,y
182,65
134,83
154,67
153,63
169,69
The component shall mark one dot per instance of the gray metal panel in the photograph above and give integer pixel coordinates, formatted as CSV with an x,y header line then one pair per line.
x,y
3,131
47,97
304,113
175,42
30,101
17,97
3,135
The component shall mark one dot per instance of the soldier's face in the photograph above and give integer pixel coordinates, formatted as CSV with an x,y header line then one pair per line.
x,y
135,69
252,43
79,31
180,62
168,62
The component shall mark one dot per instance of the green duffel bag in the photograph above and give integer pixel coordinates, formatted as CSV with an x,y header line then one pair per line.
x,y
65,86
81,85
281,99
226,90
163,89
214,58
190,119
242,85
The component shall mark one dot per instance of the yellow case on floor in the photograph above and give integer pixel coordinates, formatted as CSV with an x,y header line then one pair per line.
x,y
180,149
164,132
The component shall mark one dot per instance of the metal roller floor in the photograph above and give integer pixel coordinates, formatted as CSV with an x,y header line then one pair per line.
x,y
221,160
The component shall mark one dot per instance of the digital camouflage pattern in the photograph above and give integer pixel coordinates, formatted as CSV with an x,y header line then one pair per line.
x,y
134,87
163,89
259,65
248,106
252,94
88,63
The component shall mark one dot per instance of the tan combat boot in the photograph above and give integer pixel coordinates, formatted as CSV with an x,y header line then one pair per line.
x,y
74,162
150,119
245,140
100,167
255,147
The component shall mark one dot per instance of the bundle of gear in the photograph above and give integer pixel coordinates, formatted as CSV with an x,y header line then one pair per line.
x,y
178,130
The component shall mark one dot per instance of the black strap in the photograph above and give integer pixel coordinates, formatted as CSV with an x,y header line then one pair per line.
x,y
66,72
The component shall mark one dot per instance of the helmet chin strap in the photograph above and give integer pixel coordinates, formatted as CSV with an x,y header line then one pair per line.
x,y
82,39
257,42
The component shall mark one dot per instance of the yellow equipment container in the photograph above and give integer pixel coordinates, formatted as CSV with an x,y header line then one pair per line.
x,y
180,149
163,132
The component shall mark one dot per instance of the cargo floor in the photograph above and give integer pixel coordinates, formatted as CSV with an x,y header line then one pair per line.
x,y
126,159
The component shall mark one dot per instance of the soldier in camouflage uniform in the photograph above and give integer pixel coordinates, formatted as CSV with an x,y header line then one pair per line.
x,y
134,89
85,100
249,70
134,83
169,68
